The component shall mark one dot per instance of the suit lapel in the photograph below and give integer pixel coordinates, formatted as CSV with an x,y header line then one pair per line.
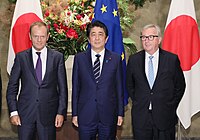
x,y
142,62
89,63
29,58
161,64
105,65
49,64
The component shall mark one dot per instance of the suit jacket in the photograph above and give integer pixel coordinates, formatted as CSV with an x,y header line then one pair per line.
x,y
165,95
93,102
49,98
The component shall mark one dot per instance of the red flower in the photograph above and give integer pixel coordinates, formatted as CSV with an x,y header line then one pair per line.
x,y
78,17
69,13
46,13
63,27
83,27
49,26
55,26
71,33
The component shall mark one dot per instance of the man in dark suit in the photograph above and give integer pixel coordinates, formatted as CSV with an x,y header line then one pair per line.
x,y
41,104
156,84
97,90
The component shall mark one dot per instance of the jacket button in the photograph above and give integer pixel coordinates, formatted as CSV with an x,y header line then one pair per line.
x,y
95,100
151,93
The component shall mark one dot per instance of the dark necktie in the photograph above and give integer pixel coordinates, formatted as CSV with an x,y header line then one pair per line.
x,y
38,68
96,68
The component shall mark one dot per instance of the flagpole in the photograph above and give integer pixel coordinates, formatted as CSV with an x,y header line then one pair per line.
x,y
179,130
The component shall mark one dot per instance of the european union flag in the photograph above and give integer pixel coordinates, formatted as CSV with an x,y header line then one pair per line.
x,y
107,12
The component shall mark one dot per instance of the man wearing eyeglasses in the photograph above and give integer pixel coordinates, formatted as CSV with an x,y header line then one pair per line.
x,y
156,84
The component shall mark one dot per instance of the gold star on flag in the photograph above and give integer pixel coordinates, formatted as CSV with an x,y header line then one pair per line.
x,y
114,13
122,55
103,9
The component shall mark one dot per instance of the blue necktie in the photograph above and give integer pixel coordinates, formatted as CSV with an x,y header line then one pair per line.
x,y
96,68
150,72
38,68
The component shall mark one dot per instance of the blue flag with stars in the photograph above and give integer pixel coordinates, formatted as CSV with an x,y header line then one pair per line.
x,y
107,12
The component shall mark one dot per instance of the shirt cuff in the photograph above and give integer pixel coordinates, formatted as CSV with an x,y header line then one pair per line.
x,y
14,113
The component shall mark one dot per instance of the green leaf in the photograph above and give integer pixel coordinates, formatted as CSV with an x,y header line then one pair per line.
x,y
128,41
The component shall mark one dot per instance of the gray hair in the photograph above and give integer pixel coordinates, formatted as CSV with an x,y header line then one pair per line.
x,y
152,26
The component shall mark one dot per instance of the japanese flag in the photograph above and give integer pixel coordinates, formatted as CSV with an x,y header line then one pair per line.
x,y
26,12
181,37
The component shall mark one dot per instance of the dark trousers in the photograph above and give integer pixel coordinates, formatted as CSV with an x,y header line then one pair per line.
x,y
151,132
98,130
36,131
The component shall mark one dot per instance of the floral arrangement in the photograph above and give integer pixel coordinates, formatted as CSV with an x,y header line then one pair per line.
x,y
67,23
67,20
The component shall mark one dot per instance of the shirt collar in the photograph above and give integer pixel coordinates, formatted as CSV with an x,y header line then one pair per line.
x,y
101,53
155,55
42,51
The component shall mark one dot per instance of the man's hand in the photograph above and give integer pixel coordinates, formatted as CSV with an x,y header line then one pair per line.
x,y
15,120
75,121
59,120
120,120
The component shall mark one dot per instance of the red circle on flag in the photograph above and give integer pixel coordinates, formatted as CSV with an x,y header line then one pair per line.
x,y
20,32
182,38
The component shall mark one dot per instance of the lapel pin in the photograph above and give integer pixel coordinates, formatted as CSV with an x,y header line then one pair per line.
x,y
108,60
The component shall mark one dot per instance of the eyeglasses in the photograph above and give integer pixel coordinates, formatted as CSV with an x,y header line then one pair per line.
x,y
150,37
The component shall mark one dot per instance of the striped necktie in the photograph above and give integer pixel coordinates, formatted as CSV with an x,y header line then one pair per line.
x,y
96,68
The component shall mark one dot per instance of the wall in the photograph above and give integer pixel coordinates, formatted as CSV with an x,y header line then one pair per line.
x,y
6,11
152,12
